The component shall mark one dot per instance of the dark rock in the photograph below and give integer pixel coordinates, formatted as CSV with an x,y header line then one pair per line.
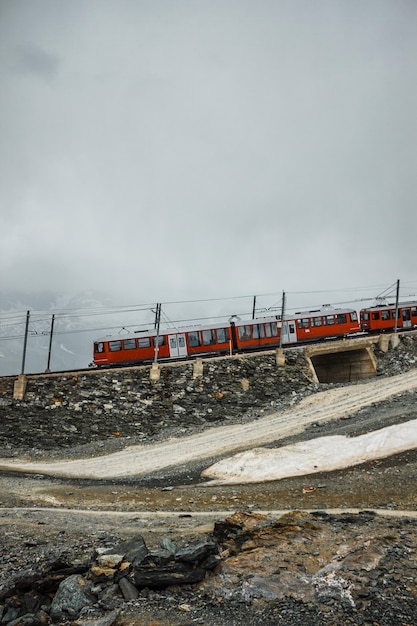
x,y
73,594
134,551
174,573
128,589
197,552
20,582
29,619
109,598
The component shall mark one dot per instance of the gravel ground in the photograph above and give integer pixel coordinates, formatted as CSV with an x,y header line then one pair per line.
x,y
177,505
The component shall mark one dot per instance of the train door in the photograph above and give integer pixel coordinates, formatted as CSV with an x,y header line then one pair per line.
x,y
406,318
177,346
289,333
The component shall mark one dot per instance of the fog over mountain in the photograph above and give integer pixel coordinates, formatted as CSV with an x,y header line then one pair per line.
x,y
72,337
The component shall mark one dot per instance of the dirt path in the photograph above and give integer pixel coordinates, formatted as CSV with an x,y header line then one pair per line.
x,y
140,460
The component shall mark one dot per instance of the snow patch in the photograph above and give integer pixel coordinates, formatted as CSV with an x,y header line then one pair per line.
x,y
323,454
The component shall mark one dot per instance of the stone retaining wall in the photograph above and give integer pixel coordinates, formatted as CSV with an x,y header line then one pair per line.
x,y
126,402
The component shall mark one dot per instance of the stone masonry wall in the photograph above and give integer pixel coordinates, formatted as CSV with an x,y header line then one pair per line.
x,y
65,411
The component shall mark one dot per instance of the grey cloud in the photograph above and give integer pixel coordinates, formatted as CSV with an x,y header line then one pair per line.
x,y
192,149
34,60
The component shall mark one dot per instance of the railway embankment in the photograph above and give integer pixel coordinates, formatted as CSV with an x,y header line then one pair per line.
x,y
76,409
124,406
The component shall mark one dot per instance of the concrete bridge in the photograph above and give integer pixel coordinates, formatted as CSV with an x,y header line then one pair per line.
x,y
347,360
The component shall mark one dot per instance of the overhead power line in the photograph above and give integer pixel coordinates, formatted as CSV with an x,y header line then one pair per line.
x,y
11,319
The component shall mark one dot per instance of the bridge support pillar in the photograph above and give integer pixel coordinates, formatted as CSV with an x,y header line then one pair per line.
x,y
155,373
280,357
19,389
198,368
394,341
383,343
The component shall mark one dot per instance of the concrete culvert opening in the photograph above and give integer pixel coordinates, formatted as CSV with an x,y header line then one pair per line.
x,y
343,366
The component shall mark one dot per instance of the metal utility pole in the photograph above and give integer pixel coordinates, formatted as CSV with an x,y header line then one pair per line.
x,y
25,342
282,319
50,343
254,307
396,306
157,324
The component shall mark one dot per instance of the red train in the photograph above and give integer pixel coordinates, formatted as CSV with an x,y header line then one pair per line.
x,y
382,318
251,335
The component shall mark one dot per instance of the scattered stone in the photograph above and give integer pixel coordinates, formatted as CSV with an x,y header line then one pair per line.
x,y
128,589
289,571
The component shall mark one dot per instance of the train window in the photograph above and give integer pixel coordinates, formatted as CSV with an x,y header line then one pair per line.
x,y
329,320
414,312
258,331
304,323
375,315
194,339
244,333
386,315
364,316
353,316
115,346
208,337
129,344
161,340
99,347
341,318
394,314
406,315
316,321
222,335
144,342
271,330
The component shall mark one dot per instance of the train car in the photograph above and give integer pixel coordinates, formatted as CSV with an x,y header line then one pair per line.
x,y
381,318
170,344
255,334
325,323
124,350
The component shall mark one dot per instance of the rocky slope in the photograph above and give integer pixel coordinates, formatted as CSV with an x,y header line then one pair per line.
x,y
318,568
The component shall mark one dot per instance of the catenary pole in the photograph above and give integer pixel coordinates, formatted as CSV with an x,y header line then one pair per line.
x,y
157,324
25,342
396,306
48,369
282,319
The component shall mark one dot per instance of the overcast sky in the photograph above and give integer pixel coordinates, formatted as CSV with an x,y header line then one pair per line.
x,y
179,149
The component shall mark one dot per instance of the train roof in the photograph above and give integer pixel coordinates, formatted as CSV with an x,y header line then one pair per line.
x,y
225,324
390,305
325,310
176,330
173,330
